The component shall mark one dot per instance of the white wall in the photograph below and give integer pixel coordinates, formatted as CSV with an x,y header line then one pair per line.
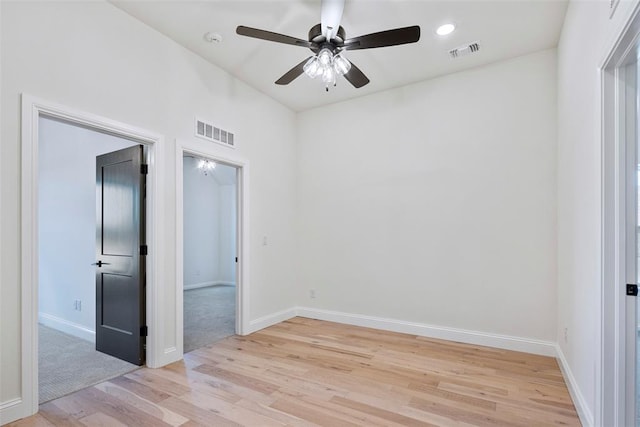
x,y
93,57
209,226
201,226
435,203
67,223
587,24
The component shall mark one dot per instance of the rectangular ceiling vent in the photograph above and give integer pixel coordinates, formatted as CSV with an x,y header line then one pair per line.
x,y
210,132
465,50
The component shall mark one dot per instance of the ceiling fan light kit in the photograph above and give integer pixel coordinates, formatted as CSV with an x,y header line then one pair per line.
x,y
327,41
328,66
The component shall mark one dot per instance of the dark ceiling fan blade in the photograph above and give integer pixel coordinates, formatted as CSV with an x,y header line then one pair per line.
x,y
292,74
356,77
272,37
384,38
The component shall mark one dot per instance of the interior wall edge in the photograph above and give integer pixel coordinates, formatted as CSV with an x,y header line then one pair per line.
x,y
579,401
271,319
505,342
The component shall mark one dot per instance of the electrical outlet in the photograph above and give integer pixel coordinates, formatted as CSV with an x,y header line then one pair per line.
x,y
77,305
264,241
312,293
566,335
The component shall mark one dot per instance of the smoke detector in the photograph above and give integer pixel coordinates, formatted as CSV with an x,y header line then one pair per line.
x,y
465,50
212,37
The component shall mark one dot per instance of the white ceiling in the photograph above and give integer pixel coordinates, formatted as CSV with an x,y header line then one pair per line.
x,y
504,28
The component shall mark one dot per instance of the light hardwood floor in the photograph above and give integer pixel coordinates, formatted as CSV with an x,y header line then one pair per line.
x,y
305,372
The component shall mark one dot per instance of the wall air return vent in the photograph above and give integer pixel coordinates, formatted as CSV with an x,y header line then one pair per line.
x,y
465,50
208,131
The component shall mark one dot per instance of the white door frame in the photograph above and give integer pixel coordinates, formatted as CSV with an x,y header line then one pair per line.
x,y
208,151
615,372
32,109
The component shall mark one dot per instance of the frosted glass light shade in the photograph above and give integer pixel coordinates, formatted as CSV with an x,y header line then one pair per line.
x,y
324,57
329,76
341,65
311,67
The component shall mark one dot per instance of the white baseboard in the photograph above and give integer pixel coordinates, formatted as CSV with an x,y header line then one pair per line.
x,y
67,327
12,410
207,284
270,320
170,355
506,342
585,415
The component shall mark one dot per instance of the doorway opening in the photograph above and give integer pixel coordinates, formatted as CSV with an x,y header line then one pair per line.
x,y
209,250
190,154
67,357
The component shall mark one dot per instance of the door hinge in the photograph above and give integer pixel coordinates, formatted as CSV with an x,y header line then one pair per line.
x,y
144,169
632,290
143,331
144,250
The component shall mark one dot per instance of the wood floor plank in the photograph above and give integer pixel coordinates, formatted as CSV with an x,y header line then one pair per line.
x,y
36,421
66,410
157,381
313,414
124,412
197,415
146,406
101,420
229,411
267,411
144,391
246,381
380,413
305,372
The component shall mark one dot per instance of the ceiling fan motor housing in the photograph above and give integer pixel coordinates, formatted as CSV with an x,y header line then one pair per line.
x,y
318,40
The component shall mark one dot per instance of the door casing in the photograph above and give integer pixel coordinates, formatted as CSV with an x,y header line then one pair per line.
x,y
615,367
32,109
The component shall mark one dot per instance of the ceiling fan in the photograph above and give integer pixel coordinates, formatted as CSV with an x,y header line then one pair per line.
x,y
327,41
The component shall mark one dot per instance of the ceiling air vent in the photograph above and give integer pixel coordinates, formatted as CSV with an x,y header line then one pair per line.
x,y
465,50
210,132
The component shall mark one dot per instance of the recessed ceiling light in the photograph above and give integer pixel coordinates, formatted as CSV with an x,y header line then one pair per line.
x,y
212,37
445,29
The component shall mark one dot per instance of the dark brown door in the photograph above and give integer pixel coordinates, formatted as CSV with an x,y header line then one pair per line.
x,y
120,250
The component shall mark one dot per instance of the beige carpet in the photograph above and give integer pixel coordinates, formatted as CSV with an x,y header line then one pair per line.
x,y
209,315
67,364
